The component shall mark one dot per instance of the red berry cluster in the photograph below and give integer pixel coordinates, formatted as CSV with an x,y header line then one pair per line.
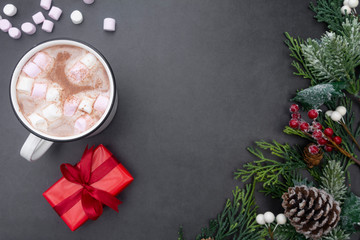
x,y
316,129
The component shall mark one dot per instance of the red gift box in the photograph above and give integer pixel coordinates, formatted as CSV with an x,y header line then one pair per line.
x,y
94,181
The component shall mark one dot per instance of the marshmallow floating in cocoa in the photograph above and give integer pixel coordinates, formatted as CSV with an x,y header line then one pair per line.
x,y
88,60
14,33
52,112
83,123
38,18
31,69
45,4
86,104
42,60
5,25
101,103
47,26
25,84
109,24
55,13
70,106
38,122
28,28
39,90
78,73
10,10
53,94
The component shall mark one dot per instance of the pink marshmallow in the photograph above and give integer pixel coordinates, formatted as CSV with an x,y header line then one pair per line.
x,y
78,72
70,106
45,4
31,69
39,90
5,25
42,60
83,123
47,26
14,33
55,13
88,1
101,103
109,24
28,28
38,18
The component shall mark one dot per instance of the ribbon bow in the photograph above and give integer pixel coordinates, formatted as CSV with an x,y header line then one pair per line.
x,y
91,198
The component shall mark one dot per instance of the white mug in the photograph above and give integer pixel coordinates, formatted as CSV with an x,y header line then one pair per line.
x,y
38,142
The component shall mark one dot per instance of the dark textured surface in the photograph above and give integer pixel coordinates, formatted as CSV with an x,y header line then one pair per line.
x,y
198,82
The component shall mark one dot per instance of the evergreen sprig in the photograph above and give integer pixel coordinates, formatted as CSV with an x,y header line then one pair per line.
x,y
337,234
335,57
333,180
328,11
274,174
237,220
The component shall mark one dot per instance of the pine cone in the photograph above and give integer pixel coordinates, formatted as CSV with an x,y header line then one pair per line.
x,y
313,212
312,159
207,239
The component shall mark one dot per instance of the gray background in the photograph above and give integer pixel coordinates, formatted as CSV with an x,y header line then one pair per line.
x,y
198,82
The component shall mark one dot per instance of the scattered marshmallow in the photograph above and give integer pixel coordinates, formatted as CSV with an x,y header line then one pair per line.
x,y
70,106
52,112
47,26
76,17
38,122
88,1
5,25
28,28
31,69
39,90
38,18
78,72
45,4
86,104
83,123
101,103
109,24
10,10
88,60
25,84
53,94
14,33
55,13
42,60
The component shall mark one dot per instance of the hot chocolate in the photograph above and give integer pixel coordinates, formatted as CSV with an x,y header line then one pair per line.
x,y
63,90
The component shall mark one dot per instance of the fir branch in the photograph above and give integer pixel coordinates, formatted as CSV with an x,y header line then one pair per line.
x,y
333,180
299,62
269,171
290,131
180,233
328,11
337,234
287,232
237,220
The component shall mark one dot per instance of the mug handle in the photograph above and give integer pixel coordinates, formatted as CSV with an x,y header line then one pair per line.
x,y
34,147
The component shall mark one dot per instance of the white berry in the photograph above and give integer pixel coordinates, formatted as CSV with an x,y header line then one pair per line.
x,y
281,219
76,17
353,3
260,219
346,3
345,10
328,113
269,217
341,110
10,10
336,116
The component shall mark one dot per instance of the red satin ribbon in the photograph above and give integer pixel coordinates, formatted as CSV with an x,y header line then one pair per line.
x,y
92,199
